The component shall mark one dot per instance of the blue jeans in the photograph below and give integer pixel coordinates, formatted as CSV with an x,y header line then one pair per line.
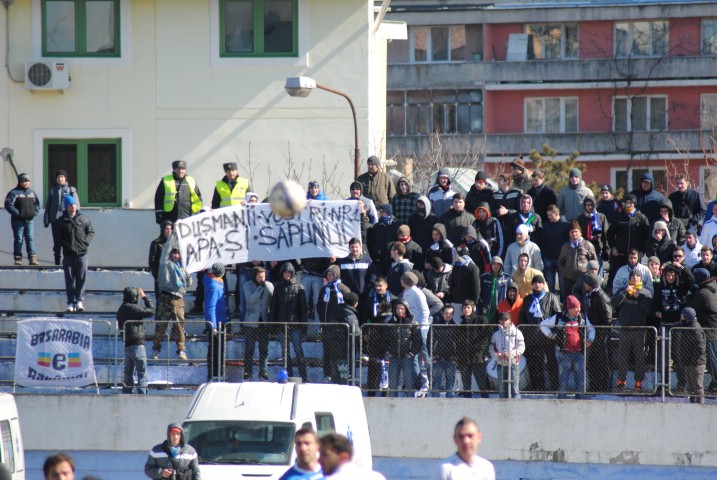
x,y
504,386
395,367
550,272
135,359
312,284
571,364
23,230
423,354
75,274
444,378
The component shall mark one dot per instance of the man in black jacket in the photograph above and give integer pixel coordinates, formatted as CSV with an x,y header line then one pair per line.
x,y
129,320
704,301
473,355
598,310
288,304
76,234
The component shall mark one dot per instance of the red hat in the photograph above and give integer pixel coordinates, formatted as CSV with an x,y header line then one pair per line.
x,y
572,302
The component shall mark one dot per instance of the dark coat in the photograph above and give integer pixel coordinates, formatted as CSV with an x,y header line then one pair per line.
x,y
633,311
444,339
131,311
690,343
288,304
464,283
456,223
543,197
688,208
704,301
628,232
421,225
404,339
553,237
76,234
598,308
474,340
648,202
475,197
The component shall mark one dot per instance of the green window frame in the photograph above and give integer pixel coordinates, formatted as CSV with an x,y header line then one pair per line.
x,y
262,35
94,167
72,28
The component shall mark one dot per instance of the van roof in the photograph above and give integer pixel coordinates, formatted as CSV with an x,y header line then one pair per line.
x,y
265,400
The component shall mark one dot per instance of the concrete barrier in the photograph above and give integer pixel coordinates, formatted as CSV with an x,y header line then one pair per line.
x,y
597,432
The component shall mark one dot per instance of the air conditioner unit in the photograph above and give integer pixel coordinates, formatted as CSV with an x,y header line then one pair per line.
x,y
47,75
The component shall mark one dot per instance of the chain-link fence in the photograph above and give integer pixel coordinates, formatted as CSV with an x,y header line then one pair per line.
x,y
691,357
259,351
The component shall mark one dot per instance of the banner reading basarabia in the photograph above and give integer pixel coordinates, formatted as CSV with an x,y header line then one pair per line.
x,y
253,232
54,353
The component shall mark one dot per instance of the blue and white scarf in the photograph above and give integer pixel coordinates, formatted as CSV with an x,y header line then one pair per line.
x,y
327,293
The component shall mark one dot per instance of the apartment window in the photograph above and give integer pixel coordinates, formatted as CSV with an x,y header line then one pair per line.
x,y
635,114
550,42
709,112
629,180
438,44
258,28
551,115
709,36
423,112
93,166
641,39
80,28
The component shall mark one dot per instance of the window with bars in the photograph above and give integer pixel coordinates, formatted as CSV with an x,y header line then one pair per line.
x,y
553,41
641,39
634,114
438,44
551,115
424,112
629,180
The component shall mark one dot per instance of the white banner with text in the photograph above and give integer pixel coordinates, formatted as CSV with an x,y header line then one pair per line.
x,y
54,353
253,232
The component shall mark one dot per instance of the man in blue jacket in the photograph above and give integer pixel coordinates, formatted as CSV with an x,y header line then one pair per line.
x,y
215,315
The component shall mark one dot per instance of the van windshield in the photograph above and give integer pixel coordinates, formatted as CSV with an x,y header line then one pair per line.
x,y
241,442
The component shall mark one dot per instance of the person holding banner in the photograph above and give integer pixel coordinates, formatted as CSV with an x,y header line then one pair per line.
x,y
76,234
177,195
173,283
129,320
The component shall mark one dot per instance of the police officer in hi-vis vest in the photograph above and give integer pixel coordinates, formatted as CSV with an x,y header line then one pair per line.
x,y
177,195
231,189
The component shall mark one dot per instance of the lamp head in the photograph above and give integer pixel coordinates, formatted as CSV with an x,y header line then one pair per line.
x,y
299,86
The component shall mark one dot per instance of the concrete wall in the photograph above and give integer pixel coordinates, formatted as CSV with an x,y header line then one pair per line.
x,y
600,432
122,238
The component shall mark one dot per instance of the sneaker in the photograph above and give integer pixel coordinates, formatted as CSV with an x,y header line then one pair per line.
x,y
80,307
182,355
70,307
621,385
638,386
263,375
422,393
247,376
155,354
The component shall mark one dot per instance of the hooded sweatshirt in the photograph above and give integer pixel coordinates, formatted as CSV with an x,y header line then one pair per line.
x,y
674,225
421,223
491,230
441,197
648,201
404,205
443,248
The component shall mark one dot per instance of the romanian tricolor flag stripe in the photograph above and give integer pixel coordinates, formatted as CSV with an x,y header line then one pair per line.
x,y
43,359
74,360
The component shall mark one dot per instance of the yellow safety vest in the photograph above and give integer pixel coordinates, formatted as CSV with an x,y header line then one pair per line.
x,y
170,193
232,197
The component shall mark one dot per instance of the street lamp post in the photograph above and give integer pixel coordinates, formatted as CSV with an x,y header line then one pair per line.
x,y
302,87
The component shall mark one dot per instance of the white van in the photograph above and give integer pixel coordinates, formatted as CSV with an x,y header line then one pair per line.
x,y
247,429
12,453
